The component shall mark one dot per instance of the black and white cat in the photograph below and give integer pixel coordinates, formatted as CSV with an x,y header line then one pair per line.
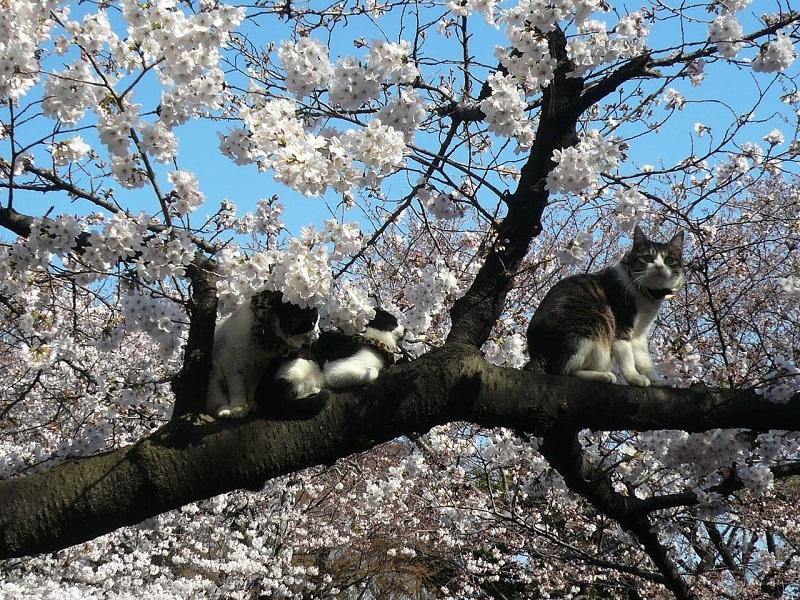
x,y
338,361
247,343
585,320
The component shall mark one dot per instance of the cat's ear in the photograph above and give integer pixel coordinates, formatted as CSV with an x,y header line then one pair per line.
x,y
638,235
676,243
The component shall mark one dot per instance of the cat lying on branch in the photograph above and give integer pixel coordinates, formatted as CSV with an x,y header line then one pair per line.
x,y
337,361
269,342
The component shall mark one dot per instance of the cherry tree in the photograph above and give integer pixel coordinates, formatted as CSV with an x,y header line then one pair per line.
x,y
449,161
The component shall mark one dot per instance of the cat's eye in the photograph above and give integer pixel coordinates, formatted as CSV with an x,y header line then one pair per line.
x,y
671,262
644,259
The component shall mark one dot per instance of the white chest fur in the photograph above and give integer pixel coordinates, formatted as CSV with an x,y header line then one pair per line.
x,y
238,362
647,311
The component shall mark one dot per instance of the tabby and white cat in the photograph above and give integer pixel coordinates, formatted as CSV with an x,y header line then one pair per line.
x,y
586,319
337,361
260,333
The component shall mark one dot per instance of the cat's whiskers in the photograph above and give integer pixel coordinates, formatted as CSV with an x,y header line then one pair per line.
x,y
634,282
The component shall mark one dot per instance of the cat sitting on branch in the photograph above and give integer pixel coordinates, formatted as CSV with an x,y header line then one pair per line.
x,y
586,319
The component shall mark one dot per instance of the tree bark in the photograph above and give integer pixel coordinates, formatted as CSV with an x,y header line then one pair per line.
x,y
186,461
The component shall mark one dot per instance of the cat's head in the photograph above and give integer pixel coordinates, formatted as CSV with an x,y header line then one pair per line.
x,y
655,268
384,327
295,325
292,324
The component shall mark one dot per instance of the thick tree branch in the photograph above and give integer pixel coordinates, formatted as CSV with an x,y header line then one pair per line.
x,y
184,462
16,222
21,224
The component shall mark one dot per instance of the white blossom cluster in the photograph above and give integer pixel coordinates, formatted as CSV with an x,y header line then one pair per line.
x,y
306,64
776,56
632,205
509,351
784,381
577,249
239,146
186,195
240,276
528,59
392,61
43,243
579,166
21,31
442,206
349,307
434,289
159,141
92,33
726,32
467,7
543,16
186,46
681,368
378,146
267,219
302,166
733,168
353,84
734,5
790,284
346,238
193,98
69,94
505,110
707,454
114,127
128,170
311,163
154,316
123,237
279,141
594,46
674,99
696,71
774,137
185,49
404,114
68,151
303,273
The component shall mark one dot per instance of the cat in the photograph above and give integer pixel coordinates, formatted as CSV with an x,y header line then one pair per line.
x,y
247,343
586,319
338,361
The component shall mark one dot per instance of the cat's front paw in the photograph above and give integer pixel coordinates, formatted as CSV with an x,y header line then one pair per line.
x,y
232,412
371,374
657,380
607,377
637,379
